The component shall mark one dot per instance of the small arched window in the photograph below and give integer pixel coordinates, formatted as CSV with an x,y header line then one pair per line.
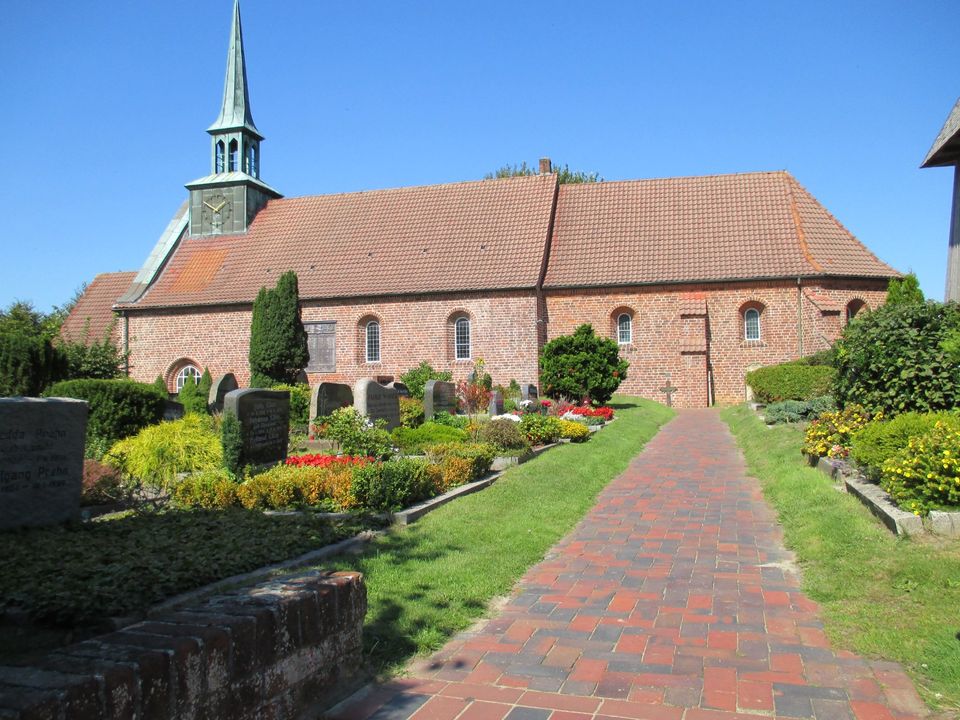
x,y
624,329
252,159
461,341
853,307
220,159
751,324
373,341
234,156
187,372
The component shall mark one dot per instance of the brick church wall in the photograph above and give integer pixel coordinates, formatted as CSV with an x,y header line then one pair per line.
x,y
412,328
679,331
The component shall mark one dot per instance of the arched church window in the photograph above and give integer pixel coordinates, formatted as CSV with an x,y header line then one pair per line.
x,y
187,372
751,324
462,338
624,329
252,159
373,341
219,157
234,156
853,307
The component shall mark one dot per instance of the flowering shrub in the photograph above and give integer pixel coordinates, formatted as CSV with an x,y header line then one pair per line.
x,y
831,433
318,460
603,411
540,429
573,430
926,473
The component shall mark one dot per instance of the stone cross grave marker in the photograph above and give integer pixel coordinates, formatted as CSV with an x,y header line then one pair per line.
x,y
669,389
219,389
496,403
264,417
327,397
439,396
41,460
377,402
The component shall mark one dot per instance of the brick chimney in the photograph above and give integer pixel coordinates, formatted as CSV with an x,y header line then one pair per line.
x,y
546,167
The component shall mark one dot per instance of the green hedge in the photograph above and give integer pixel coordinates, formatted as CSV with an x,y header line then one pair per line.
x,y
382,487
790,381
479,455
27,364
413,440
118,408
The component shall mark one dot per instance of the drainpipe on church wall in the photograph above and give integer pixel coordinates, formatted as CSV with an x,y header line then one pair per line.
x,y
799,319
125,341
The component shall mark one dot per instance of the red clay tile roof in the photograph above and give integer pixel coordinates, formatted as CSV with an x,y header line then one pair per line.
x,y
95,307
723,227
481,235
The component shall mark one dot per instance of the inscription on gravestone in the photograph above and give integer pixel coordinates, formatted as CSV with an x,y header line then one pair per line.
x,y
264,417
377,402
496,403
327,397
219,389
41,460
439,396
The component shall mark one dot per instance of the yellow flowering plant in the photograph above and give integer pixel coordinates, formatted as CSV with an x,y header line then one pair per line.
x,y
830,433
926,473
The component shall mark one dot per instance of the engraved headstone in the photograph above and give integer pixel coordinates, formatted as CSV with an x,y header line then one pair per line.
x,y
264,417
439,396
327,397
496,403
173,410
41,460
377,402
529,392
402,390
219,389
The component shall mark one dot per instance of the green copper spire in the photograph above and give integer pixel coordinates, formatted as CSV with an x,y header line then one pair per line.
x,y
235,113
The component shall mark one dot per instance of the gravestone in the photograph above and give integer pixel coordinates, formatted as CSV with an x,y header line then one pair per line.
x,y
172,410
377,402
219,389
327,397
402,390
529,392
496,403
41,460
439,396
264,417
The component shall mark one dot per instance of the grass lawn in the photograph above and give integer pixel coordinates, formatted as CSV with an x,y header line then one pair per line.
x,y
883,597
432,579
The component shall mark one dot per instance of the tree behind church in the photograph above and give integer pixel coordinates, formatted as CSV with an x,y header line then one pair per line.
x,y
278,342
565,176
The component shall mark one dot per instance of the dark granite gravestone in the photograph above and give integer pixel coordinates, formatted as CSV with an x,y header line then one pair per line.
x,y
327,397
377,402
264,417
402,390
41,460
496,403
172,410
529,392
439,396
219,389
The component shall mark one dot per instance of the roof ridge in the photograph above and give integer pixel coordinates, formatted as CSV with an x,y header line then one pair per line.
x,y
680,177
798,226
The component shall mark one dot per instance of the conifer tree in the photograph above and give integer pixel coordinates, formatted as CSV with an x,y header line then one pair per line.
x,y
278,342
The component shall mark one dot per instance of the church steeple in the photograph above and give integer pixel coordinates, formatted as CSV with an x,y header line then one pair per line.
x,y
227,200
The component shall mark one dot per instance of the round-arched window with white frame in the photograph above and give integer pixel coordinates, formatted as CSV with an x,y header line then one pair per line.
x,y
461,340
187,371
624,329
373,341
751,324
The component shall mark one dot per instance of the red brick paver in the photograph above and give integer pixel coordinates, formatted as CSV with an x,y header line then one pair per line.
x,y
673,599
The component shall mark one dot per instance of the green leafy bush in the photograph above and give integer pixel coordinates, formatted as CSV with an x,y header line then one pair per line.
x,y
581,366
27,364
161,386
193,399
278,488
349,428
411,412
925,474
456,421
891,359
278,341
416,378
99,359
823,357
412,441
393,485
479,455
877,442
118,408
505,434
299,402
208,489
158,453
790,381
904,291
540,429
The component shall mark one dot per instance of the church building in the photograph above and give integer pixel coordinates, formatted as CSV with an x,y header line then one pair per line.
x,y
698,279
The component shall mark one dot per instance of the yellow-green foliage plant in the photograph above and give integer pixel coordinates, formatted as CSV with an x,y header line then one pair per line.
x,y
925,475
831,433
158,453
574,431
207,490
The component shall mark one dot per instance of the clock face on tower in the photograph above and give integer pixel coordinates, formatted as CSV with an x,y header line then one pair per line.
x,y
216,209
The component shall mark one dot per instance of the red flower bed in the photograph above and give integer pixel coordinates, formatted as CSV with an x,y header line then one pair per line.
x,y
602,412
325,460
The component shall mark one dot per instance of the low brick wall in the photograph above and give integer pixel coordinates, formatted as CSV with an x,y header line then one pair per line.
x,y
267,651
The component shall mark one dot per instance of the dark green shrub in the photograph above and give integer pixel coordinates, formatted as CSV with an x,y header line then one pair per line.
x,y
299,402
877,442
456,421
904,291
823,357
413,440
393,485
278,342
821,404
231,443
582,366
505,434
411,412
161,385
479,455
891,360
118,408
540,429
191,398
28,363
416,378
99,359
790,381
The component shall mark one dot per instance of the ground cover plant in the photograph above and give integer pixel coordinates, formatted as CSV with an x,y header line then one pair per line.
x,y
431,579
880,596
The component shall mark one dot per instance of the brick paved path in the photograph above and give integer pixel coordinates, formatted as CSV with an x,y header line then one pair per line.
x,y
671,600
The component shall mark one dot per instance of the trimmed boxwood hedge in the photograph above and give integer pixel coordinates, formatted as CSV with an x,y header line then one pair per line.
x,y
790,381
118,408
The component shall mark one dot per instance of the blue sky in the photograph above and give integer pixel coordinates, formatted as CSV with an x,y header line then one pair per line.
x,y
105,107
